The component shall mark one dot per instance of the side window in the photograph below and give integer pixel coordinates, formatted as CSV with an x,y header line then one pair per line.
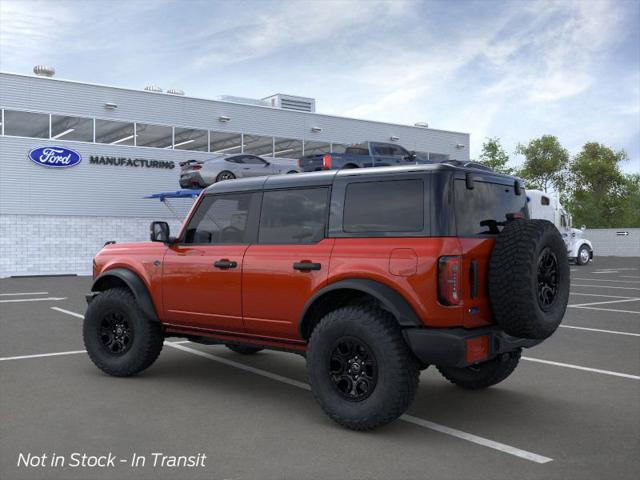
x,y
380,149
386,206
253,160
238,159
221,219
398,151
294,216
563,220
544,200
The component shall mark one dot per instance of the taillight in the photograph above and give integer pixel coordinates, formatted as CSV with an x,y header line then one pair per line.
x,y
326,161
299,162
449,280
196,167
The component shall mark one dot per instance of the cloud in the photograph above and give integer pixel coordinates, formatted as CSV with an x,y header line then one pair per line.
x,y
29,29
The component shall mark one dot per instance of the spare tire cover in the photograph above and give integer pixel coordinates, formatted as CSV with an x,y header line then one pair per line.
x,y
529,279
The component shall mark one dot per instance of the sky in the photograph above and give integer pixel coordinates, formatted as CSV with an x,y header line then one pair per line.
x,y
509,69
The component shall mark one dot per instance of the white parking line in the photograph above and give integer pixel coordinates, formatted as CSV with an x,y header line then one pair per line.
x,y
580,367
23,293
41,355
534,457
600,330
610,310
597,295
58,354
604,286
62,310
606,280
47,299
632,299
407,418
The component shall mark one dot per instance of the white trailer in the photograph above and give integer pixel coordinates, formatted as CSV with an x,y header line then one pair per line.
x,y
544,206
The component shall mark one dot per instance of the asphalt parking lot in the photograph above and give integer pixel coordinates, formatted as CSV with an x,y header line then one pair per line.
x,y
571,409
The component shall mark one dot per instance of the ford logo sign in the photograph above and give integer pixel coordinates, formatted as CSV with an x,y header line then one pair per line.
x,y
55,157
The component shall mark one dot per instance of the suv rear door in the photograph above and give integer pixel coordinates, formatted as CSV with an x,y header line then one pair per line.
x,y
289,262
202,273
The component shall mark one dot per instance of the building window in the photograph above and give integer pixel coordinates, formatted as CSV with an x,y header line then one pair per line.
x,y
316,148
287,148
225,143
71,128
157,136
258,145
293,216
26,124
389,206
191,139
114,133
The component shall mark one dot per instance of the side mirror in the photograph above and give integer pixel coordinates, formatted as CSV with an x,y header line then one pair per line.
x,y
583,228
159,232
266,163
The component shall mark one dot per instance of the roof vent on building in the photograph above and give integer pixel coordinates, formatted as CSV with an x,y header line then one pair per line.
x,y
44,71
292,102
153,88
421,124
175,91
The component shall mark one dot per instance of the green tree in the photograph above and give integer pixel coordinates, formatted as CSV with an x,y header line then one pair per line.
x,y
599,193
631,204
545,163
494,156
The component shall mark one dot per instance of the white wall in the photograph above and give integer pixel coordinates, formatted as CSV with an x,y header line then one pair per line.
x,y
50,245
606,242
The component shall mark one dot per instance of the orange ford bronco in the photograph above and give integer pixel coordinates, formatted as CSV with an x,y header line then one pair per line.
x,y
372,274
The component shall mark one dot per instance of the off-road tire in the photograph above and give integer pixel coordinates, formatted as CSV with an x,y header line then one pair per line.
x,y
243,349
484,374
146,343
579,260
514,278
397,368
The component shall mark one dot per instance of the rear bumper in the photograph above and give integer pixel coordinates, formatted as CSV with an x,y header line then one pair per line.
x,y
447,347
191,179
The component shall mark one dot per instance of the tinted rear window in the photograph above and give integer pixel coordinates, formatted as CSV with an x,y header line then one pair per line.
x,y
487,201
386,206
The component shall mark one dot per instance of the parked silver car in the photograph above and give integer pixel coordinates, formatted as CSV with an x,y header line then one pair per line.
x,y
202,173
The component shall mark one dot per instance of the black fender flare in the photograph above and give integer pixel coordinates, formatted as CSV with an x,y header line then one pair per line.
x,y
389,299
135,284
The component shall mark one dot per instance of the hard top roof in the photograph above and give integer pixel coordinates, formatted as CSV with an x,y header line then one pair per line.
x,y
327,177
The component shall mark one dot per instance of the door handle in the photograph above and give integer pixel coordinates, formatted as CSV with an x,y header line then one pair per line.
x,y
225,264
303,266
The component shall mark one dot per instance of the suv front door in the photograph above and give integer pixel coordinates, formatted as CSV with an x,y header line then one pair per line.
x,y
289,262
202,273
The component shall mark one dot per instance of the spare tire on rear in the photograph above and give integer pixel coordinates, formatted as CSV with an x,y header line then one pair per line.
x,y
529,279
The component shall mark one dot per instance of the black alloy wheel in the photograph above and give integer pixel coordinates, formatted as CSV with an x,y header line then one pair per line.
x,y
116,332
547,278
225,176
353,369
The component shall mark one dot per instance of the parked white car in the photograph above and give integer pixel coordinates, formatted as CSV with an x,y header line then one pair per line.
x,y
544,206
202,173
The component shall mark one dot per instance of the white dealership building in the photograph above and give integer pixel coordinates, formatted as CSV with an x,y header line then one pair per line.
x,y
119,145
